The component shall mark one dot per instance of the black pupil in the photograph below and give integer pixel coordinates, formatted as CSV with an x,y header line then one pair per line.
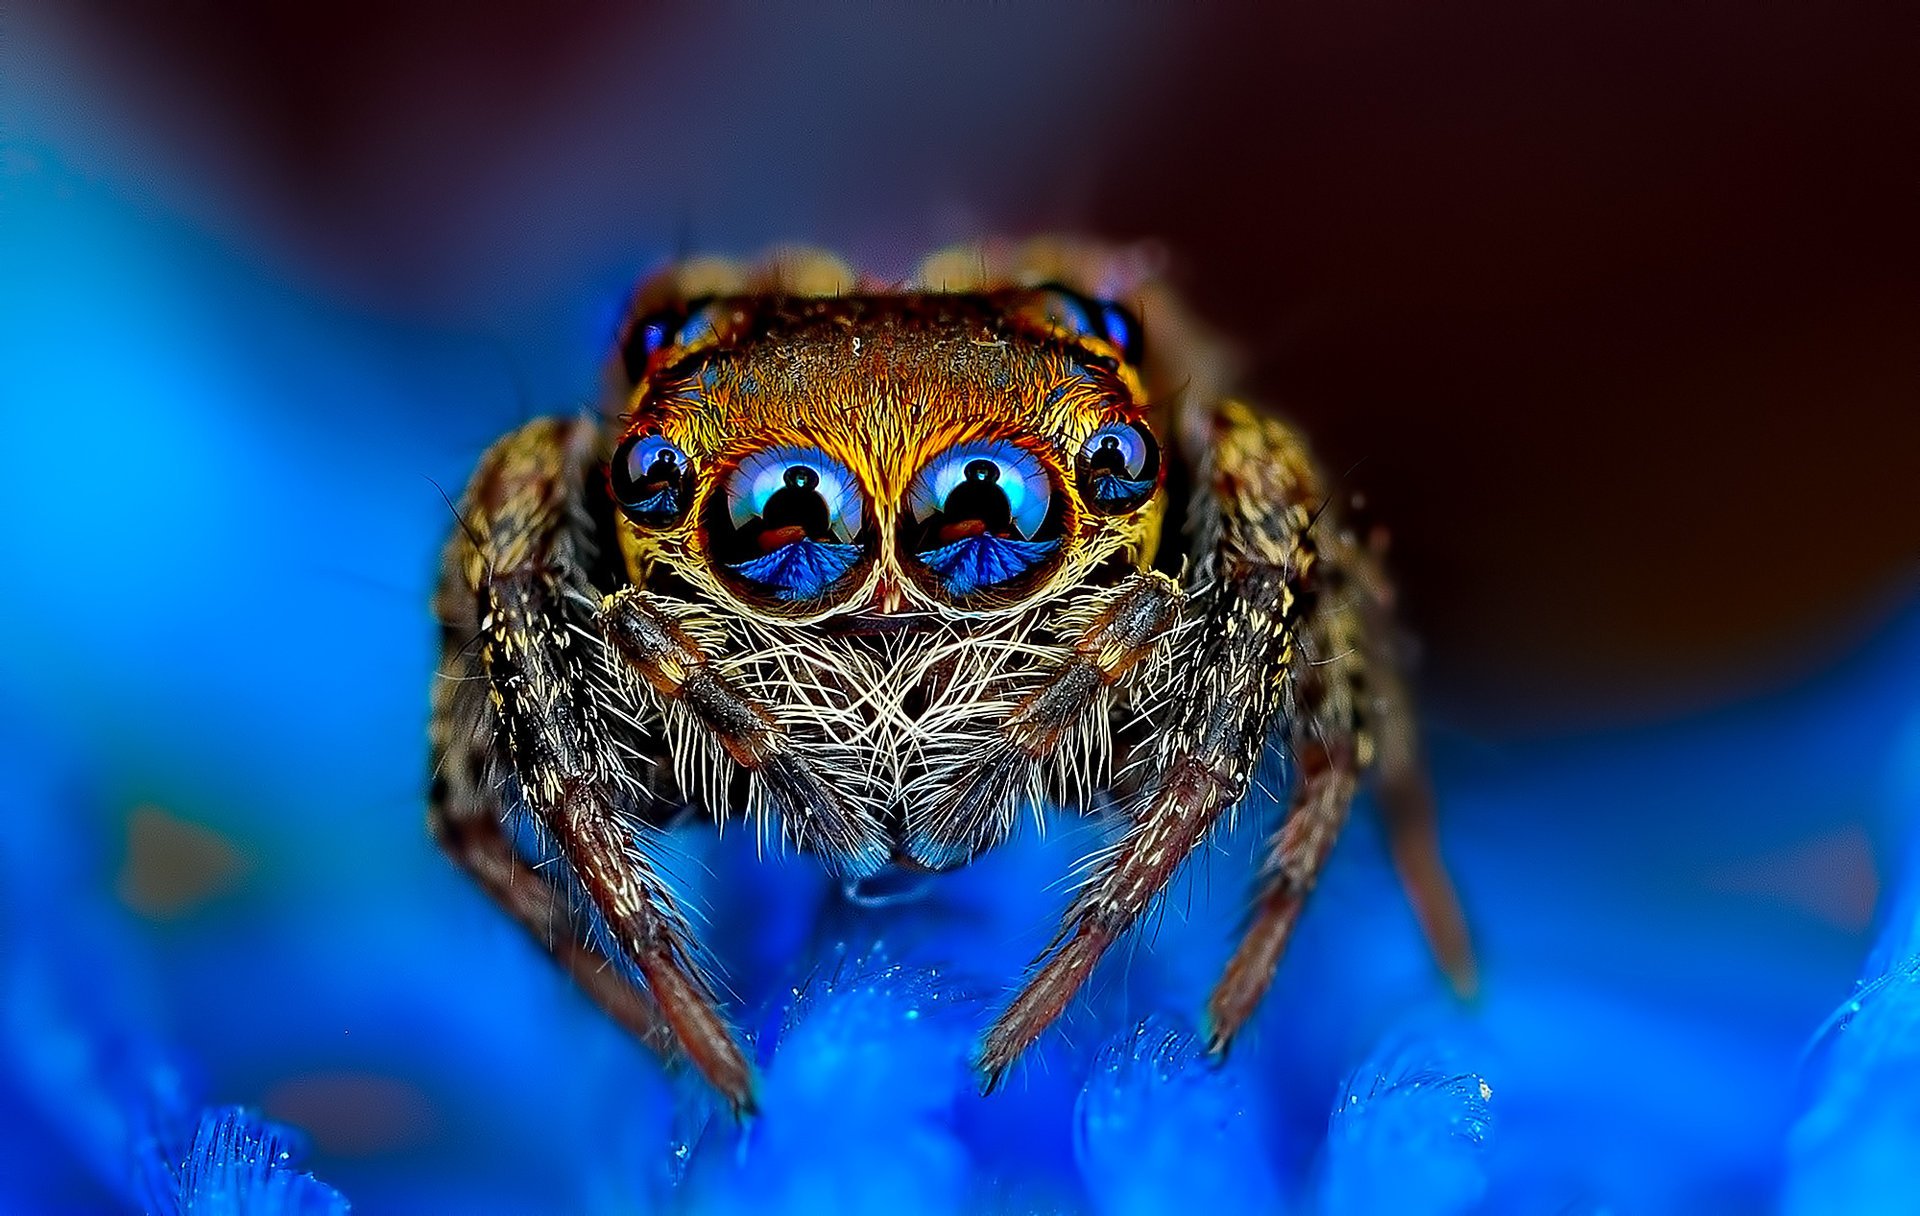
x,y
1107,456
979,498
798,504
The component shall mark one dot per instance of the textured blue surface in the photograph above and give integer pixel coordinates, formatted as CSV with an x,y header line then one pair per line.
x,y
222,528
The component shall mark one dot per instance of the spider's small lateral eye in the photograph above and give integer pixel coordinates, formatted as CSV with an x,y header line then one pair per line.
x,y
651,479
1119,468
1083,315
982,515
789,525
648,335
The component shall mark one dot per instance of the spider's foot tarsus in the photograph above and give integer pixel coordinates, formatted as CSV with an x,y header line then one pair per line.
x,y
1041,1002
1218,1044
707,1039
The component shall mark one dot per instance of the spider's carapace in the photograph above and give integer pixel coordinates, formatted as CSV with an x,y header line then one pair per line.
x,y
888,565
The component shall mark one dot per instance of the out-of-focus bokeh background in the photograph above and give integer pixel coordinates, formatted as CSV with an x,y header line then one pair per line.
x,y
1610,309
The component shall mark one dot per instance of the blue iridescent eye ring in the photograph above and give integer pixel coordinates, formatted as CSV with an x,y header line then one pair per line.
x,y
981,515
1119,468
651,479
788,524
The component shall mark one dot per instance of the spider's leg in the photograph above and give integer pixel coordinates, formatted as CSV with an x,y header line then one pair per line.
x,y
1250,588
1402,787
1352,712
472,834
978,809
467,816
1328,753
681,673
513,569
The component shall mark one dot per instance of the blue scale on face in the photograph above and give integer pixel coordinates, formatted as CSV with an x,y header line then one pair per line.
x,y
792,524
979,516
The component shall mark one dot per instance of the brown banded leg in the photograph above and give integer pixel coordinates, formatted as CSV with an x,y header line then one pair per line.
x,y
467,818
1250,589
675,666
474,838
597,842
1351,713
510,582
979,810
1329,748
1322,794
1402,786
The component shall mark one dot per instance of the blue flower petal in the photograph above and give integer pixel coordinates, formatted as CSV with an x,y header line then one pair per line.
x,y
235,1164
1411,1132
1155,1123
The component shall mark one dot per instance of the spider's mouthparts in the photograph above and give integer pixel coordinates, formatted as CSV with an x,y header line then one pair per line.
x,y
888,598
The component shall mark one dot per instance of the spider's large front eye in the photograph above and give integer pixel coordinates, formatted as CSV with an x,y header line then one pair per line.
x,y
982,515
788,525
651,479
1119,467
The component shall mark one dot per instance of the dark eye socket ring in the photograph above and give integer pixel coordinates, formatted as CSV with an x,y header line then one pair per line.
x,y
651,479
648,335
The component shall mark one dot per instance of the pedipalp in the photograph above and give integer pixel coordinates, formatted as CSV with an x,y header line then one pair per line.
x,y
976,811
678,670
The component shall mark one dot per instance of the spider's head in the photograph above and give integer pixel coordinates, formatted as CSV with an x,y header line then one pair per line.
x,y
881,456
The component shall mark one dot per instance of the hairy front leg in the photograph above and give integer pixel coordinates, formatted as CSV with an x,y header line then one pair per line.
x,y
1327,762
514,568
467,816
473,835
1253,514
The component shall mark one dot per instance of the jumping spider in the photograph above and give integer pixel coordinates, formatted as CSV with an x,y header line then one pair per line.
x,y
889,563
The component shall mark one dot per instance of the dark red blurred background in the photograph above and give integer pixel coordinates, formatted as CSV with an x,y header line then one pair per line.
x,y
1613,309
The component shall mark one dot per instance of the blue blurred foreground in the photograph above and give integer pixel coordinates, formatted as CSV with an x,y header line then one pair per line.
x,y
219,889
